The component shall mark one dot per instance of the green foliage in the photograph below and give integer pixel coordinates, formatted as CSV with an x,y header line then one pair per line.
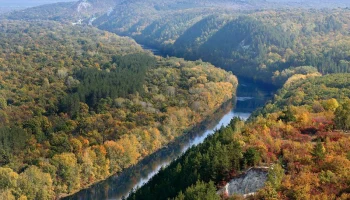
x,y
342,116
200,190
12,140
210,161
275,176
327,177
251,157
318,152
331,23
287,116
125,76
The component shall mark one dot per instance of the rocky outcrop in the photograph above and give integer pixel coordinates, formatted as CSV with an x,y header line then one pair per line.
x,y
247,183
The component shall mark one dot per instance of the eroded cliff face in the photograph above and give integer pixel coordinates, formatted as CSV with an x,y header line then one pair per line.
x,y
247,183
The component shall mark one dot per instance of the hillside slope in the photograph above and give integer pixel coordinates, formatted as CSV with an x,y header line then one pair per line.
x,y
302,136
78,104
268,45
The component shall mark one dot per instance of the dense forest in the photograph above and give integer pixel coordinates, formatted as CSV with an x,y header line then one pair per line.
x,y
130,11
78,104
302,134
268,46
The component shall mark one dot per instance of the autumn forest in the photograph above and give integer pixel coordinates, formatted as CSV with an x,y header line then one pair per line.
x,y
81,100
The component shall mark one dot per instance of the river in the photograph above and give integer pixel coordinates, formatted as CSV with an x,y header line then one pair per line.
x,y
153,50
250,96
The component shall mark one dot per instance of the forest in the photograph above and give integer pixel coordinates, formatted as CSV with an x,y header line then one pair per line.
x,y
78,105
268,46
266,41
306,141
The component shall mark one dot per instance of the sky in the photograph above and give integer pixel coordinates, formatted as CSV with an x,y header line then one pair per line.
x,y
27,3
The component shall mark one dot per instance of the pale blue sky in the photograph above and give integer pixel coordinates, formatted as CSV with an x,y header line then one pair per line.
x,y
27,3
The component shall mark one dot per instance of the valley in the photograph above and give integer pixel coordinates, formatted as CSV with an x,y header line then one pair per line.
x,y
120,185
138,99
100,105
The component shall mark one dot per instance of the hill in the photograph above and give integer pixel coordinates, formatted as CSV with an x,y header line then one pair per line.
x,y
261,40
268,46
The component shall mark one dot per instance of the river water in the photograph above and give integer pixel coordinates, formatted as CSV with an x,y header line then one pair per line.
x,y
250,96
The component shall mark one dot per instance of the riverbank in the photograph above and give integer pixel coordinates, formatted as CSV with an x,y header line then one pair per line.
x,y
149,166
120,185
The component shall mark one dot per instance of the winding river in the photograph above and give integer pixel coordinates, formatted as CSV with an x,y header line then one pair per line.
x,y
249,97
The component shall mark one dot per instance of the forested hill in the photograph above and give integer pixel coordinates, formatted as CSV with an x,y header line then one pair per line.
x,y
261,40
87,10
268,46
76,11
78,104
302,135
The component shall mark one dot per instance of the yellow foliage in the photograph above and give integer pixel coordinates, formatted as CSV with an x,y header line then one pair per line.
x,y
330,104
298,77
